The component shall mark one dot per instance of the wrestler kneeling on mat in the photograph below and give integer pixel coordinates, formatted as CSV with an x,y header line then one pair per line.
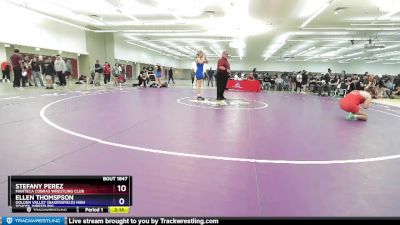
x,y
352,101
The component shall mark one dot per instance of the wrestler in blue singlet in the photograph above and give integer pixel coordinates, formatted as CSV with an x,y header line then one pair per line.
x,y
200,71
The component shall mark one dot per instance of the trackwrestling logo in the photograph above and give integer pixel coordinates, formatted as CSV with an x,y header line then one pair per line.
x,y
237,85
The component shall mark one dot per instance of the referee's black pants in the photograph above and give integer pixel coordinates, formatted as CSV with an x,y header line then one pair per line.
x,y
222,80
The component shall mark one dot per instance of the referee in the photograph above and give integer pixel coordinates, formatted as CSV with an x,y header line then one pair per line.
x,y
223,72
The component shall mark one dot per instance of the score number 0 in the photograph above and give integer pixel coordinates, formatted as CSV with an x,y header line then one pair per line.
x,y
121,188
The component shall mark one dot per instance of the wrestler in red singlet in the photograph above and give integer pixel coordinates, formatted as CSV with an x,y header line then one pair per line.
x,y
351,104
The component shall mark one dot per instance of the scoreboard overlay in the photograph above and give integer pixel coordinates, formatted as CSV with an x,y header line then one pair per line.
x,y
69,194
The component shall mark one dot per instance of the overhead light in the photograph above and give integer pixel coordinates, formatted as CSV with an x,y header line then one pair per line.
x,y
7,45
127,15
354,54
37,49
162,31
373,28
374,46
329,54
307,50
280,42
388,15
239,44
173,34
79,54
386,54
91,19
374,24
339,9
155,48
60,52
182,8
313,57
354,28
273,50
316,14
374,61
309,7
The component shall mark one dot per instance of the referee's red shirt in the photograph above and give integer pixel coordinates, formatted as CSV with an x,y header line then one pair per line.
x,y
223,62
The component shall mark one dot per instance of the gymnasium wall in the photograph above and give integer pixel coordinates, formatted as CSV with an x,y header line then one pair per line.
x,y
26,28
3,56
126,51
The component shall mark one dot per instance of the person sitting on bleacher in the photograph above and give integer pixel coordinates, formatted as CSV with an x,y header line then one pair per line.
x,y
325,84
396,81
236,77
396,94
81,80
267,82
279,83
250,76
143,78
334,82
312,82
116,72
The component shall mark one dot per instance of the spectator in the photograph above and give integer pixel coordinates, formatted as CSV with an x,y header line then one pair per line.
x,y
267,82
351,84
250,76
81,80
299,80
293,76
304,81
255,74
193,72
107,73
143,77
389,83
325,84
60,68
48,71
396,93
37,72
54,71
397,81
363,82
159,72
27,78
6,69
98,72
171,75
383,89
116,73
68,69
334,82
18,67
314,83
278,83
210,78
